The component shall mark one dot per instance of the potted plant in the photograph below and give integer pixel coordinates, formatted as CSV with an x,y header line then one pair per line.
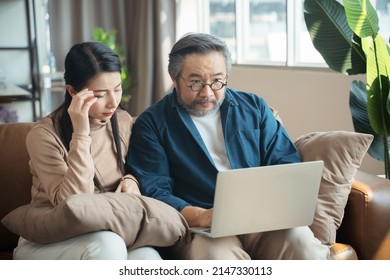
x,y
347,36
109,39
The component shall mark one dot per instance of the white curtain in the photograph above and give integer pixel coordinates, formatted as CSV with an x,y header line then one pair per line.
x,y
145,29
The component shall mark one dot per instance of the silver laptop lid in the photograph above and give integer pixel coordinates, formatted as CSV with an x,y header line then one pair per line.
x,y
265,198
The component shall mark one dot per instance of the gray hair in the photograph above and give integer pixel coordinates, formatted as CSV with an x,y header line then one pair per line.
x,y
196,43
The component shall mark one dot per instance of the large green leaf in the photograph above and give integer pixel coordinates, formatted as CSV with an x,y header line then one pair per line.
x,y
332,36
378,84
362,17
361,123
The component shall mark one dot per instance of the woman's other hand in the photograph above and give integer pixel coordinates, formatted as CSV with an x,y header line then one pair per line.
x,y
128,186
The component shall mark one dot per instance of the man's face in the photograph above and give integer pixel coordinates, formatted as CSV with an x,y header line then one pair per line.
x,y
198,70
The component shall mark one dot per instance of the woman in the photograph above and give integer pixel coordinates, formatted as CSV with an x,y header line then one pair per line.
x,y
80,148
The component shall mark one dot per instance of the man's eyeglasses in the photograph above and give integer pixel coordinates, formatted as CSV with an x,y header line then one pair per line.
x,y
198,86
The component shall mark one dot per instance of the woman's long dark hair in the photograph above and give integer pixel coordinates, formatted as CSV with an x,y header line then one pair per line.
x,y
83,62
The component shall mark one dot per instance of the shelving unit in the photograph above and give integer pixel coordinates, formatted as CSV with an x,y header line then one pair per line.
x,y
33,86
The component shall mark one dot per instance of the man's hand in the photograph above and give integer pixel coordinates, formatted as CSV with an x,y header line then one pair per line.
x,y
197,217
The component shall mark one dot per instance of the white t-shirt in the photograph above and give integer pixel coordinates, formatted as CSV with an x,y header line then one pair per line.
x,y
210,128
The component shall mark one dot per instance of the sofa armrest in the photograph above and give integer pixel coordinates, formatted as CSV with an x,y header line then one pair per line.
x,y
366,223
15,178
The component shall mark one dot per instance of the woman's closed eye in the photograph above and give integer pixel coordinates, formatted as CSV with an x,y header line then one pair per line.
x,y
99,93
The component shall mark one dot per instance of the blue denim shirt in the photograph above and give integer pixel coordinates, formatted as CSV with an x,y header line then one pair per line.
x,y
171,162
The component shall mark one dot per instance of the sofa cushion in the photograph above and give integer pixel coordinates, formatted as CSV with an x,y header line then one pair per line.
x,y
342,153
140,221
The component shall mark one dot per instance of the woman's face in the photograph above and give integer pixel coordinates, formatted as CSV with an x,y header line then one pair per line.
x,y
107,87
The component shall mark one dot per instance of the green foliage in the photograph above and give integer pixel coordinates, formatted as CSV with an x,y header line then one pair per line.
x,y
333,38
109,39
347,38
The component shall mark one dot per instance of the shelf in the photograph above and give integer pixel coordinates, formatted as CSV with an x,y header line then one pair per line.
x,y
14,48
32,91
11,92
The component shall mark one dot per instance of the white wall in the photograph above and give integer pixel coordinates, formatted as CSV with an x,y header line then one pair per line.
x,y
13,33
307,100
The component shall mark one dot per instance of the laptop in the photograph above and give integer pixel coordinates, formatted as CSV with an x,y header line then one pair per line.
x,y
259,199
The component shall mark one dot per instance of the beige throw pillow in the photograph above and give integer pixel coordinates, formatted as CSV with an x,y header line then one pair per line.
x,y
139,220
342,153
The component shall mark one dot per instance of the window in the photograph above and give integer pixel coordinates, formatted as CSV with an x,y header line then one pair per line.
x,y
266,32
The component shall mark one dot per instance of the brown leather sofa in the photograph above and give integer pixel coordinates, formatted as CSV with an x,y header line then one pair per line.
x,y
364,233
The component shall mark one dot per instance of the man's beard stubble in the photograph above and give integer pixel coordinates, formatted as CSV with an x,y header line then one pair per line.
x,y
193,110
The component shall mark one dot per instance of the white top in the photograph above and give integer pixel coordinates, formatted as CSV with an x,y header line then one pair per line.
x,y
210,128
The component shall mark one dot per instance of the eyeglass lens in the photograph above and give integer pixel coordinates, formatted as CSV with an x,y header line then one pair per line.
x,y
217,85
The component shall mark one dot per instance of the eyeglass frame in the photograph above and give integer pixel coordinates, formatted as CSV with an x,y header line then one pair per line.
x,y
224,84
